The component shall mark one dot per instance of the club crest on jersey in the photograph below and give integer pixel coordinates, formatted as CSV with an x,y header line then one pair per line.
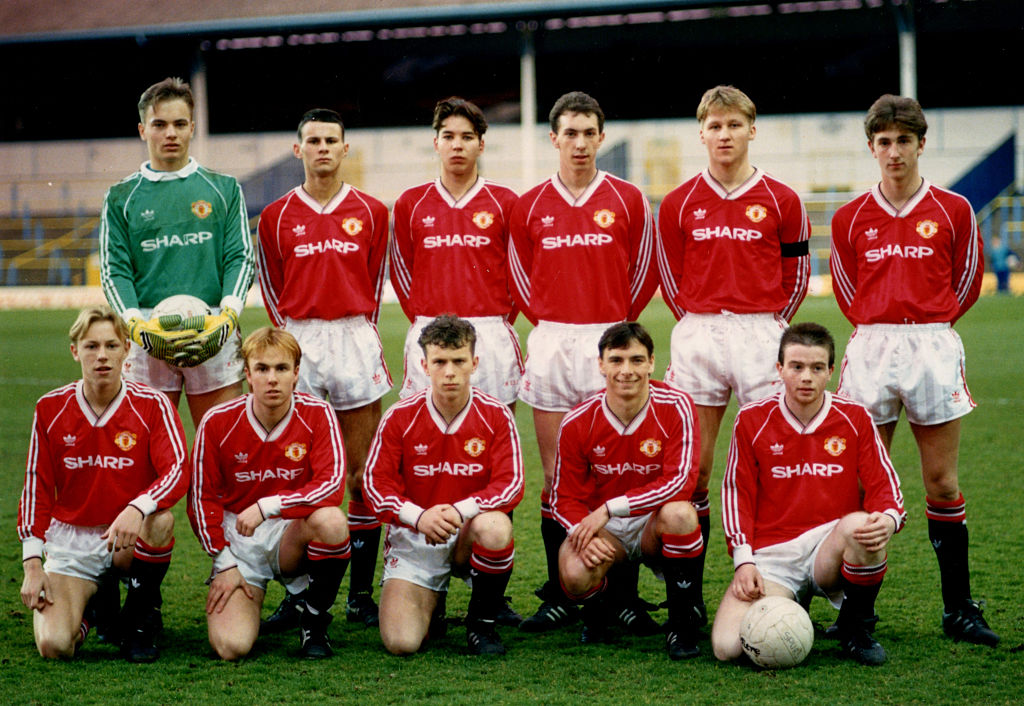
x,y
295,451
599,451
835,445
483,219
927,229
202,208
148,215
547,221
756,212
299,230
352,226
241,457
700,213
421,449
650,447
871,233
125,440
428,221
777,449
69,440
604,217
475,446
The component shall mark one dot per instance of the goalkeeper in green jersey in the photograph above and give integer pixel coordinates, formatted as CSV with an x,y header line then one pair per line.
x,y
174,227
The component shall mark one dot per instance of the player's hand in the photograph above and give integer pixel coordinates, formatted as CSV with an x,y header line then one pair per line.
x,y
249,519
160,337
600,550
223,587
876,531
588,527
439,523
124,530
206,342
747,583
35,588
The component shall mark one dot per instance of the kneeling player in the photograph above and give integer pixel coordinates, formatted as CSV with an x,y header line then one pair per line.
x,y
269,474
444,470
106,462
626,467
791,499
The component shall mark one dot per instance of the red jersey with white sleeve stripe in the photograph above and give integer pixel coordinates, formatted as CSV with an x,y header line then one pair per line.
x,y
323,262
451,255
921,264
583,260
290,470
743,251
783,478
634,468
84,469
417,460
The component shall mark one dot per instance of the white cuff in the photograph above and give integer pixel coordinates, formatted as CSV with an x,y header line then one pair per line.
x,y
270,506
743,554
897,518
468,508
144,504
224,560
410,514
232,302
31,547
618,507
132,313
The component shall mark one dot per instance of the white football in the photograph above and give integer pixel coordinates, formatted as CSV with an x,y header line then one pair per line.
x,y
184,305
776,632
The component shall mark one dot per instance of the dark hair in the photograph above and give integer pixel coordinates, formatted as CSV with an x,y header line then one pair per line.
x,y
898,112
448,331
576,102
808,333
459,106
321,115
168,89
622,334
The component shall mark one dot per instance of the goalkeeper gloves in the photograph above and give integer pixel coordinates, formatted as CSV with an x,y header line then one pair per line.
x,y
157,336
211,333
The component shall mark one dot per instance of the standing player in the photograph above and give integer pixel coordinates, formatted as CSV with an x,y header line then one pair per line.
x,y
580,255
906,264
106,462
458,225
627,460
174,227
792,506
268,477
327,231
734,264
445,469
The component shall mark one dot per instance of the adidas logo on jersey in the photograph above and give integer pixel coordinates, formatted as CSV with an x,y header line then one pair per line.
x,y
777,449
148,215
700,213
908,252
421,449
428,221
742,234
547,221
599,451
241,457
871,233
299,230
70,440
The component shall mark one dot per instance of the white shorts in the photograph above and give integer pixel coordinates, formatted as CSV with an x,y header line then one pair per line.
x,y
342,360
72,550
561,365
497,346
629,531
921,367
409,557
791,564
259,555
222,370
715,353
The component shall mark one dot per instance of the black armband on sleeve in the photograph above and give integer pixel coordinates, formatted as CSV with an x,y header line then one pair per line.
x,y
797,249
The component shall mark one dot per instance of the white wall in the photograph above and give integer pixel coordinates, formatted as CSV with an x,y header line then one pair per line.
x,y
810,152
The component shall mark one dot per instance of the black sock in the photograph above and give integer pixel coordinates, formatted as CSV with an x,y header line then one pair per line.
x,y
490,570
365,543
145,575
947,530
327,565
553,535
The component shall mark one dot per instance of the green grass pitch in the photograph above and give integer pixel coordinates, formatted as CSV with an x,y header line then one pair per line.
x,y
924,666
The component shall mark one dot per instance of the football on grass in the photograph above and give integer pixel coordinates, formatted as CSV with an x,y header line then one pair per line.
x,y
184,305
776,632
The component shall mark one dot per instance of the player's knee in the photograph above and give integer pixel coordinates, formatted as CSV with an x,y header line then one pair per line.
x,y
158,529
726,650
576,579
492,530
54,646
399,640
677,518
328,525
943,487
230,647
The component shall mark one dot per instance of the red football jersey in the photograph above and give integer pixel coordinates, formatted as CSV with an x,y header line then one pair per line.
x,y
743,251
783,478
921,264
294,468
417,460
582,261
634,468
451,256
322,263
84,470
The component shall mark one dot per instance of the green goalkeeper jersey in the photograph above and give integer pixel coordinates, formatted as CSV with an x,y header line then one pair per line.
x,y
183,232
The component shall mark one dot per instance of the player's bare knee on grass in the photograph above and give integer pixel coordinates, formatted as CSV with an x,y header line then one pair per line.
x,y
399,638
725,631
231,646
56,642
